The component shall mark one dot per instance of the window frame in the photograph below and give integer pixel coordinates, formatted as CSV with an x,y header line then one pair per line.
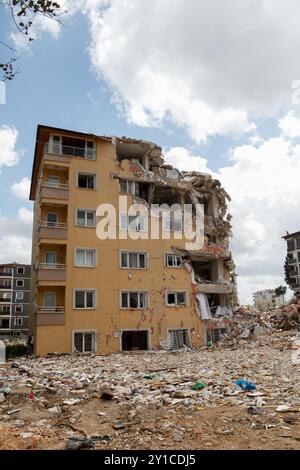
x,y
86,173
94,291
176,292
174,256
138,253
18,319
20,280
85,217
22,268
19,295
20,307
128,292
94,343
94,250
126,229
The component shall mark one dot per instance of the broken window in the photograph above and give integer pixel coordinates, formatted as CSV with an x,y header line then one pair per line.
x,y
177,298
173,222
133,260
173,261
86,181
178,339
84,342
129,187
134,299
134,340
84,298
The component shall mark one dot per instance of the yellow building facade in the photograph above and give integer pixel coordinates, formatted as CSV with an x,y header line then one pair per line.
x,y
109,295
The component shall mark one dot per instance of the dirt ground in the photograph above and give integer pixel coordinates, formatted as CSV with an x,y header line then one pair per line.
x,y
145,400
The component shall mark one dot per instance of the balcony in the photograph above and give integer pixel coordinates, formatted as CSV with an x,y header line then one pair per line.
x,y
5,300
51,272
50,316
70,150
5,273
54,191
214,288
4,313
5,286
52,230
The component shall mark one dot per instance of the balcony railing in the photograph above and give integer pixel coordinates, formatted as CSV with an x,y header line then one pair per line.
x,y
5,286
49,184
5,300
46,224
4,312
5,273
69,151
52,266
47,309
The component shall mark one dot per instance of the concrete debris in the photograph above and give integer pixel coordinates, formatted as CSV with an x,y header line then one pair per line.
x,y
146,400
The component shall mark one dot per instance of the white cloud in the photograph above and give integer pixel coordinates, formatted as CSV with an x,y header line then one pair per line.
x,y
9,156
21,188
209,67
263,182
290,125
15,237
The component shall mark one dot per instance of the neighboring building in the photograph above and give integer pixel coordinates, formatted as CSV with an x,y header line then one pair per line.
x,y
14,298
266,299
104,296
292,264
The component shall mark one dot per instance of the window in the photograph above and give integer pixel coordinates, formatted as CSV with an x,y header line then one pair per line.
x,y
18,321
85,218
173,222
49,299
19,309
6,309
7,283
84,342
291,245
176,298
52,219
133,260
63,145
85,257
20,270
178,339
298,243
9,271
213,336
53,181
129,187
173,261
20,283
86,181
19,295
50,258
134,299
135,223
85,299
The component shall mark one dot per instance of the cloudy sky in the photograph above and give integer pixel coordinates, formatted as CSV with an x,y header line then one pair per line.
x,y
215,83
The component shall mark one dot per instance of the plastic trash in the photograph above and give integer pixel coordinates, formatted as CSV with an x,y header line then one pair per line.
x,y
149,376
245,385
198,386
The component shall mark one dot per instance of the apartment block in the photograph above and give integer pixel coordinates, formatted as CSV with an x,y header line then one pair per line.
x,y
292,266
14,298
266,299
122,293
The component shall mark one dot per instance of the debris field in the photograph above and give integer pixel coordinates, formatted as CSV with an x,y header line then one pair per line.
x,y
156,400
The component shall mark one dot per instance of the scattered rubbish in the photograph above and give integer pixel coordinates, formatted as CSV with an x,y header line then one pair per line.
x,y
71,402
198,386
254,410
107,395
149,376
119,425
77,443
2,397
14,411
245,385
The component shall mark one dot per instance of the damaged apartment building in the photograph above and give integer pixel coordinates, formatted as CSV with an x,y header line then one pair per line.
x,y
109,295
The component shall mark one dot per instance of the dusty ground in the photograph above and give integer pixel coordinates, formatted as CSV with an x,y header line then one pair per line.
x,y
152,402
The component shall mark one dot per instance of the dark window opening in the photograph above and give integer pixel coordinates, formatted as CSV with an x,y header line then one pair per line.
x,y
134,340
86,181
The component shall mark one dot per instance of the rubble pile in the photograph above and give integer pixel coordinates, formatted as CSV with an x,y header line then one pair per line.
x,y
184,399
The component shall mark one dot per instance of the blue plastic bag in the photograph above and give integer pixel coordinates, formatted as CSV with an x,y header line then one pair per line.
x,y
245,385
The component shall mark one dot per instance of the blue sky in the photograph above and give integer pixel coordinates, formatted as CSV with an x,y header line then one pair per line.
x,y
187,83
